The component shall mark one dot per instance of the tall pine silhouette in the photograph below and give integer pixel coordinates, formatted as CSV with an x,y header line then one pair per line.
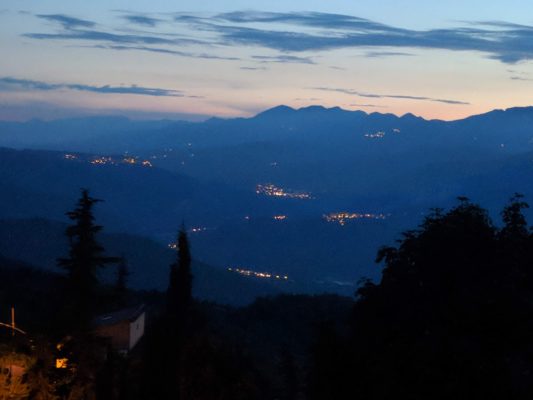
x,y
85,257
165,343
179,294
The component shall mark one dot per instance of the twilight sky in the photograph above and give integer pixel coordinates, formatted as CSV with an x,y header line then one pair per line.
x,y
177,59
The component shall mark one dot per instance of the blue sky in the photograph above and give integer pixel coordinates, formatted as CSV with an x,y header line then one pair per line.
x,y
234,58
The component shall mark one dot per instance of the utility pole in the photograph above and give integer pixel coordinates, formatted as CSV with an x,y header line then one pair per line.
x,y
13,327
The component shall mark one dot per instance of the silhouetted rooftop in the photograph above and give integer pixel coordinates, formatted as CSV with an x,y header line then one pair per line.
x,y
128,314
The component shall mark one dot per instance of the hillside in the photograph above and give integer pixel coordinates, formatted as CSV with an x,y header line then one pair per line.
x,y
40,242
267,194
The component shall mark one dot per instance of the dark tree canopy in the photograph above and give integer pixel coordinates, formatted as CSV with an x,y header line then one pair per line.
x,y
453,314
288,371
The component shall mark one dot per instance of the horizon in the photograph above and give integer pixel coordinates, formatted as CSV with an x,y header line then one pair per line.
x,y
168,60
204,118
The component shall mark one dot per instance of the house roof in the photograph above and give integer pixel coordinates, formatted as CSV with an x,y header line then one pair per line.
x,y
124,315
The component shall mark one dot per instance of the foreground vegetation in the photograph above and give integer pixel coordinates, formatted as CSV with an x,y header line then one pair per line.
x,y
452,317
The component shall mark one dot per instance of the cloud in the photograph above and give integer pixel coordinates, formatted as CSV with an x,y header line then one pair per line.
x,y
49,111
254,68
66,21
100,36
78,30
296,32
498,24
515,72
206,56
368,105
143,20
380,54
9,84
520,78
284,59
74,30
313,31
389,96
310,19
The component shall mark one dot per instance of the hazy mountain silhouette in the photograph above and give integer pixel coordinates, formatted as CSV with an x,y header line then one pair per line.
x,y
207,173
118,134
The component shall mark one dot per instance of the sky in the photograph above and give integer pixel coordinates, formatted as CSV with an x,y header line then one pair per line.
x,y
235,58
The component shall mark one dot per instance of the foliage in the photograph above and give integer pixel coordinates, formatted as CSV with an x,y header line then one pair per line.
x,y
452,316
180,280
86,256
14,368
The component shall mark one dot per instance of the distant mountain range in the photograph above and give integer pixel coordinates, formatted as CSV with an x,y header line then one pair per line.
x,y
257,192
282,123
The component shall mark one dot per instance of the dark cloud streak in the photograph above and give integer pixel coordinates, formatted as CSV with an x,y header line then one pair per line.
x,y
66,21
310,31
205,56
521,78
284,59
253,68
9,84
390,96
367,105
503,41
100,36
142,20
380,54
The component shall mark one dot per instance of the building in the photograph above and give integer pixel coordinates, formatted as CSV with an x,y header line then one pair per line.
x,y
122,328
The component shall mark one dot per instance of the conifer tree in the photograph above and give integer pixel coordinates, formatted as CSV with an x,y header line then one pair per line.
x,y
86,257
165,343
513,218
516,250
179,294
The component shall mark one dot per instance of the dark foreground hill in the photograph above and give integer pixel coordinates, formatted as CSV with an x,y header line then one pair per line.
x,y
40,243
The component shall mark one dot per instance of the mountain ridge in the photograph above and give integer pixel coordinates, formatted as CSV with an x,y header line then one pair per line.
x,y
278,110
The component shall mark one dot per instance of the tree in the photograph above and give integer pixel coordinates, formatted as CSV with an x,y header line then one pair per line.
x,y
328,373
516,246
167,340
513,218
452,316
121,284
86,257
290,382
179,293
